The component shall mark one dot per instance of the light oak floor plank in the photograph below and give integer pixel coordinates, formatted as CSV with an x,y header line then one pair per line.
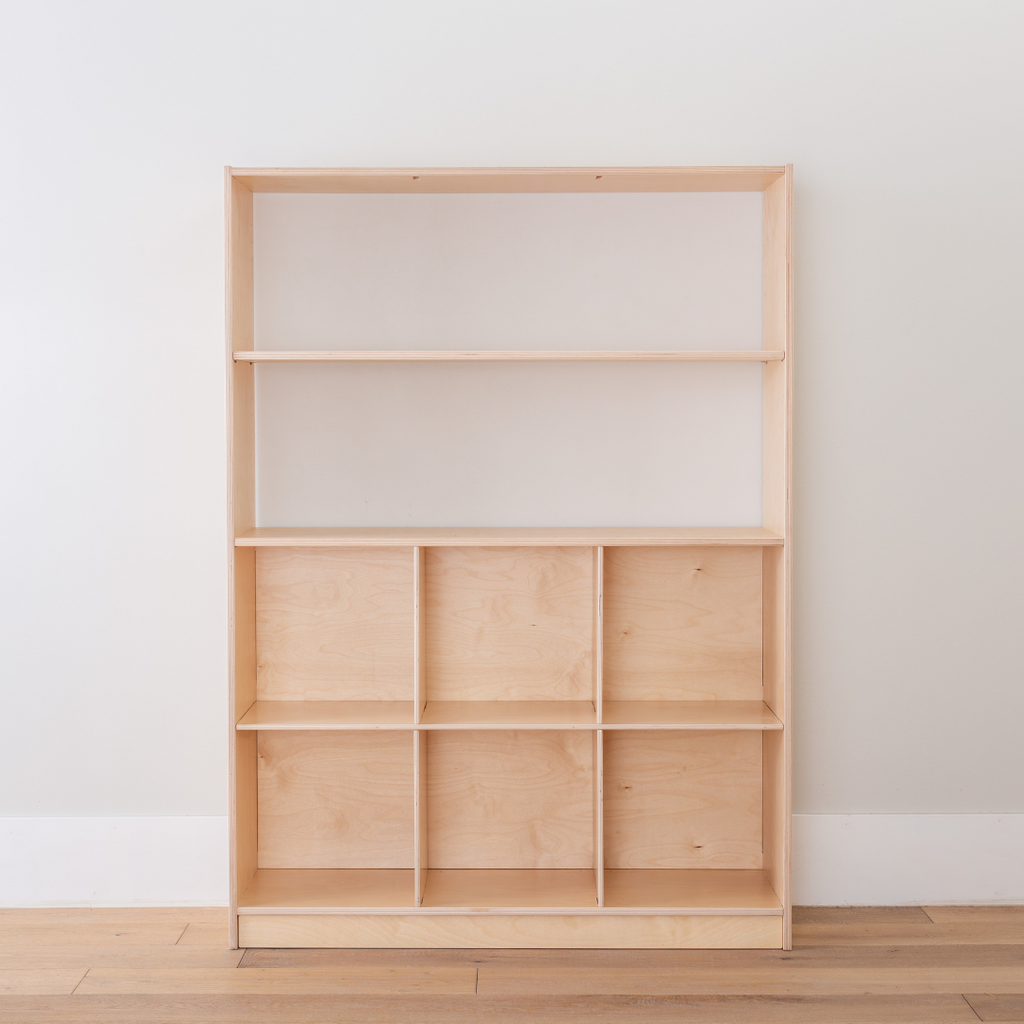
x,y
1005,1008
40,982
853,965
279,981
205,933
100,933
456,1009
84,957
647,959
777,980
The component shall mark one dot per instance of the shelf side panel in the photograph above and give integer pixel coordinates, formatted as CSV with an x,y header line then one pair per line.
x,y
682,800
777,461
335,624
682,623
241,445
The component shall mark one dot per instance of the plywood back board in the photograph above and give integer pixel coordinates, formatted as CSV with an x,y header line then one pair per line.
x,y
336,800
682,624
509,623
682,800
510,799
335,624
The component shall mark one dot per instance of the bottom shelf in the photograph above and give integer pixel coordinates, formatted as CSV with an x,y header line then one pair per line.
x,y
328,890
698,891
495,890
485,889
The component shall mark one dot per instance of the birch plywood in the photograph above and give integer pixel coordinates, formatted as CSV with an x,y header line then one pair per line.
x,y
334,624
703,891
335,800
682,624
510,888
682,800
510,799
509,623
499,931
312,889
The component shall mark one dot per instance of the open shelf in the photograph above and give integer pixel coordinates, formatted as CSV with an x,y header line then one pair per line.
x,y
509,714
499,536
283,889
432,180
698,891
511,356
478,890
688,714
363,715
493,888
328,714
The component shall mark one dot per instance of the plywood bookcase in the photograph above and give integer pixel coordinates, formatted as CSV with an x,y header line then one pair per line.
x,y
601,761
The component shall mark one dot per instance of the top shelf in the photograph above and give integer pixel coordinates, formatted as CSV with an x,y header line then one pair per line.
x,y
506,179
512,356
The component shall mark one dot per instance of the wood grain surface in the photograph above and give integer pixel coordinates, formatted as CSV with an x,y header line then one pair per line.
x,y
510,799
509,624
682,623
682,799
334,624
864,981
336,799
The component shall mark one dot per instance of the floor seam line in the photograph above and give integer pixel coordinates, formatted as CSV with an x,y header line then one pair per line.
x,y
973,1010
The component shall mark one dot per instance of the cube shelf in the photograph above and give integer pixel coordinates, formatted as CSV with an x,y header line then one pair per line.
x,y
511,736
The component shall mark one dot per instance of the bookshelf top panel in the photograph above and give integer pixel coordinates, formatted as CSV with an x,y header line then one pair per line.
x,y
468,536
510,356
506,179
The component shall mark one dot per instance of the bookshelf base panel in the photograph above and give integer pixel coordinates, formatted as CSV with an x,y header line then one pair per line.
x,y
511,931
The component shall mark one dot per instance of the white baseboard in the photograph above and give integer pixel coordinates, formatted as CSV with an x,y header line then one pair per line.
x,y
867,859
114,862
909,859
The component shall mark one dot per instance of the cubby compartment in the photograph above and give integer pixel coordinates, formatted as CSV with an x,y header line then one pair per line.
x,y
509,635
683,820
334,638
682,633
336,822
510,819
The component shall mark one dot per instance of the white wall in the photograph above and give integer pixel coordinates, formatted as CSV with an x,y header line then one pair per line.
x,y
903,122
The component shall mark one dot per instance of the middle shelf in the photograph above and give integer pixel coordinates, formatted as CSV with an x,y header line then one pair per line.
x,y
519,715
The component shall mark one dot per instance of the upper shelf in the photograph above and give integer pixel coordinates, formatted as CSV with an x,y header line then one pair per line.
x,y
506,179
513,356
499,536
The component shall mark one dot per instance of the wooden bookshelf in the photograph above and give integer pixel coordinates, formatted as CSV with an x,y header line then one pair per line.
x,y
602,759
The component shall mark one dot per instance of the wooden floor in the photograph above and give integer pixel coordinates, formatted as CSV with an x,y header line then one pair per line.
x,y
864,964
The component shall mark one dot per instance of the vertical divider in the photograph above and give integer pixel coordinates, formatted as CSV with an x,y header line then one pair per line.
x,y
419,682
420,863
598,659
598,652
599,814
419,690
